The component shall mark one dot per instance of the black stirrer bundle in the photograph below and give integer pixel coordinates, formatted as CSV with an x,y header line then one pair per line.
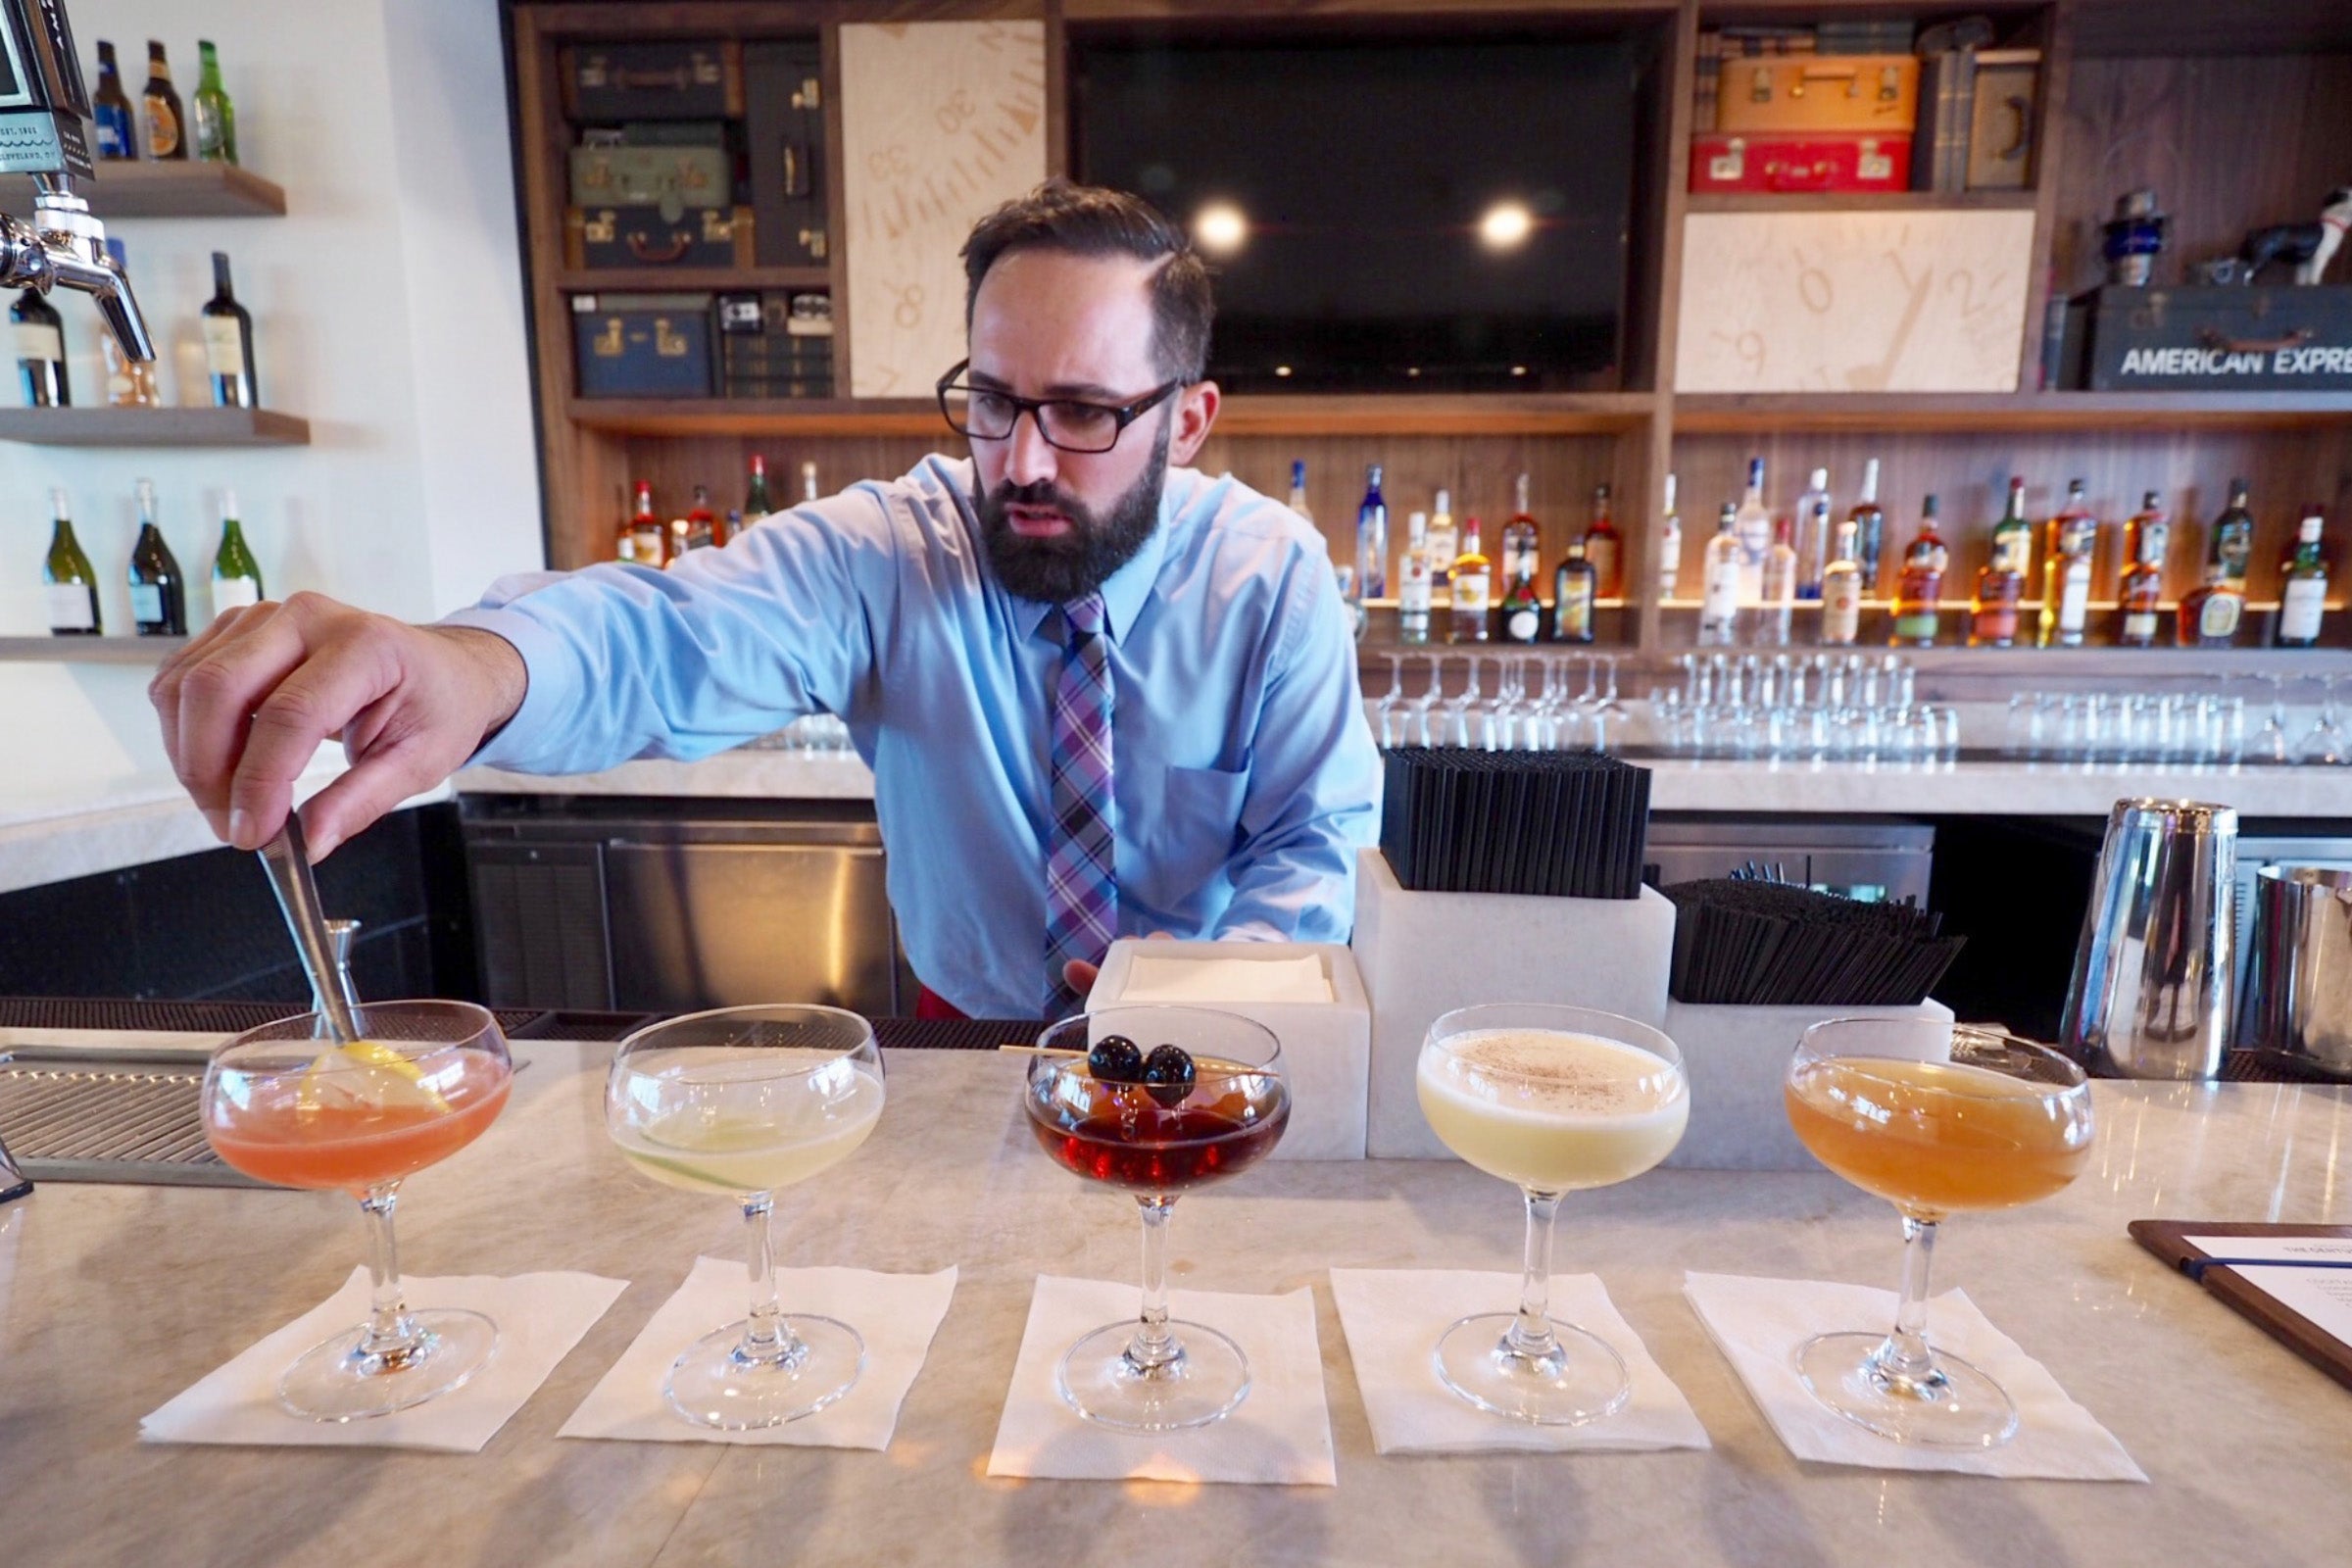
x,y
1750,942
1567,824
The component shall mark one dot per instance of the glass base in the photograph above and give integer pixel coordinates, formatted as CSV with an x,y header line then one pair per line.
x,y
1955,1406
336,1381
715,1384
1581,1381
1208,1378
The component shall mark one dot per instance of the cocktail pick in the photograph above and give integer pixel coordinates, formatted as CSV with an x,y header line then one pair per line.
x,y
288,860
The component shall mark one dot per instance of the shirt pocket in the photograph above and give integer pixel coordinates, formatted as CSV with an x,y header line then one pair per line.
x,y
1190,838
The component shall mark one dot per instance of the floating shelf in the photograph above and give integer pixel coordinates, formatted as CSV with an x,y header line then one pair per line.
x,y
658,279
189,189
1877,201
153,428
1745,412
90,650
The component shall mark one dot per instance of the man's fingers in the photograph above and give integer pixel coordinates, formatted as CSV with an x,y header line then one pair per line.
x,y
309,708
1080,975
164,691
217,695
375,785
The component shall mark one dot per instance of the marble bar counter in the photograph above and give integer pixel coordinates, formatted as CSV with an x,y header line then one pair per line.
x,y
114,1298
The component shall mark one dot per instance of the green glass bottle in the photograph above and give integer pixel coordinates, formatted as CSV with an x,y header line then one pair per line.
x,y
236,578
215,118
72,587
755,503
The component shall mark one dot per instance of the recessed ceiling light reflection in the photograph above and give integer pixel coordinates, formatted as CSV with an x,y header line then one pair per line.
x,y
1220,229
1282,370
1505,226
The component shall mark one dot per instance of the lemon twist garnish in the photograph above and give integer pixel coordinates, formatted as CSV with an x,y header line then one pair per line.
x,y
368,1073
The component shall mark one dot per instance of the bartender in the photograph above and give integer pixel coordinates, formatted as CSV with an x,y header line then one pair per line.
x,y
1100,692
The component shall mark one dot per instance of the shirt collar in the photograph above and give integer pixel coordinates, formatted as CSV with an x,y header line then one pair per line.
x,y
1124,590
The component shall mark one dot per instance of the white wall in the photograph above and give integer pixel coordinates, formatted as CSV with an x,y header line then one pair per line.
x,y
387,310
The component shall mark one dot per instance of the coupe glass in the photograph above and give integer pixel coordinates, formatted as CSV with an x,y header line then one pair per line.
x,y
424,1079
741,1102
1554,1099
1156,1374
2001,1122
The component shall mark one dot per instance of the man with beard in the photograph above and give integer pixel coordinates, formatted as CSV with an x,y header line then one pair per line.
x,y
1101,694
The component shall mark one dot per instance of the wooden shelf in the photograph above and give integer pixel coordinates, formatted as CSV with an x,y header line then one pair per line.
x,y
153,428
1743,413
664,279
1883,201
90,650
802,416
190,190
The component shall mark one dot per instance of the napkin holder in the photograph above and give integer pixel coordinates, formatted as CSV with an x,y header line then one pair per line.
x,y
1422,954
1325,1046
1737,1059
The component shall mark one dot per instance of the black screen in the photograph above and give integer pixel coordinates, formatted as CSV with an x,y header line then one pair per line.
x,y
1363,171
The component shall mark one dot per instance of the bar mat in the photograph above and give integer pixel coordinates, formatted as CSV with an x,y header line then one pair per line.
x,y
1742,942
1564,824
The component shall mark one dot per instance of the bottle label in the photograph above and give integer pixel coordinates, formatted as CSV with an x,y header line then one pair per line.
x,y
162,130
2074,602
147,603
1572,617
114,131
2217,618
1470,592
2014,553
1413,592
223,346
1916,626
2300,607
2139,625
37,340
1602,553
1520,624
1840,609
1443,545
234,593
69,607
1721,606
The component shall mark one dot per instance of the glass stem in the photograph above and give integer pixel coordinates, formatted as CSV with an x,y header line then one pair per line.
x,y
766,1337
393,1337
1531,1333
1154,1347
1904,1360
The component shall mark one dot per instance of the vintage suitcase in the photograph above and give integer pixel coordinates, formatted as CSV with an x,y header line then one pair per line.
x,y
784,126
642,345
1816,160
640,236
1818,93
672,179
2203,339
683,80
2000,127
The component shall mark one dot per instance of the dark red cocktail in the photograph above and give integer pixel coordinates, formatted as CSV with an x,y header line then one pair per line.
x,y
1116,1134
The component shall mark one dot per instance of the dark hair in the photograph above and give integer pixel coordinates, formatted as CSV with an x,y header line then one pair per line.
x,y
1061,214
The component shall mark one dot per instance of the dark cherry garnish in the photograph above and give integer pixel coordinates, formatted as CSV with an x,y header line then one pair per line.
x,y
1167,1075
1118,1060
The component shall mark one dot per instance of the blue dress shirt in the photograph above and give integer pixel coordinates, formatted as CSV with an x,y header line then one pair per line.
x,y
1245,772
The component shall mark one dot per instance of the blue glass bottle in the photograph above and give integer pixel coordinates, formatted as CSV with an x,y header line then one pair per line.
x,y
1372,539
110,110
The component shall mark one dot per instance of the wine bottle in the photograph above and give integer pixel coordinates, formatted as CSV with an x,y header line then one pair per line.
x,y
110,111
755,503
166,126
159,594
229,344
216,117
40,334
71,586
236,579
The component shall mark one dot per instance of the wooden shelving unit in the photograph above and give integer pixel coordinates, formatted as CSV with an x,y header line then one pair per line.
x,y
153,428
89,650
190,190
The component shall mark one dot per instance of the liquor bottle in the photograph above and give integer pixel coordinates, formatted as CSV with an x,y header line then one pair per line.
x,y
2209,614
1522,609
1670,547
71,585
1473,580
216,117
229,344
2303,591
1444,542
1920,584
236,578
111,111
624,541
1870,529
1412,581
129,383
159,594
1755,532
808,491
2001,582
1298,489
1604,548
1780,587
1724,583
755,503
1812,541
40,334
651,539
1842,591
2141,590
1575,588
2233,544
1522,542
1372,539
702,530
165,126
2147,533
2070,543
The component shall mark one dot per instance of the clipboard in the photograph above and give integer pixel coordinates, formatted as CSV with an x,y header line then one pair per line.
x,y
2240,1287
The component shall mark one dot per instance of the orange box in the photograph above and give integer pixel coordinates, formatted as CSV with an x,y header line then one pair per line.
x,y
1819,92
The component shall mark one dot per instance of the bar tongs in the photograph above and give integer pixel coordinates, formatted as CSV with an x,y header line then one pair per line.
x,y
286,857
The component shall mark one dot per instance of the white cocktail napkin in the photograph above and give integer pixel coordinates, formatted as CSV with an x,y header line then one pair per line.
x,y
1393,1318
895,1314
1759,1323
540,1317
1280,1434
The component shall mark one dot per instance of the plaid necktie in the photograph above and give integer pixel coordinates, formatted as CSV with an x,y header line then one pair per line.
x,y
1082,890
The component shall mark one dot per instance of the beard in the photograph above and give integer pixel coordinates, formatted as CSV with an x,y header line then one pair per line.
x,y
1072,565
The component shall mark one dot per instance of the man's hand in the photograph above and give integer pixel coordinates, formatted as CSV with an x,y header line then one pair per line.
x,y
1080,976
246,705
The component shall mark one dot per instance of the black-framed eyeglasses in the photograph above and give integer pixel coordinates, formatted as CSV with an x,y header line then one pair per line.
x,y
1071,425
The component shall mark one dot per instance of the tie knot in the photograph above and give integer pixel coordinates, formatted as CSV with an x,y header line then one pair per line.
x,y
1082,617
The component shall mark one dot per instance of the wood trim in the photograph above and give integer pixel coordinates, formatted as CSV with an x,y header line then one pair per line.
x,y
1184,11
837,206
2050,114
1738,413
1057,90
717,279
108,650
99,426
756,18
192,189
1666,331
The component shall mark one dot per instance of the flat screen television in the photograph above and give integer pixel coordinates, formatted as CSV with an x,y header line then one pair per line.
x,y
1417,212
